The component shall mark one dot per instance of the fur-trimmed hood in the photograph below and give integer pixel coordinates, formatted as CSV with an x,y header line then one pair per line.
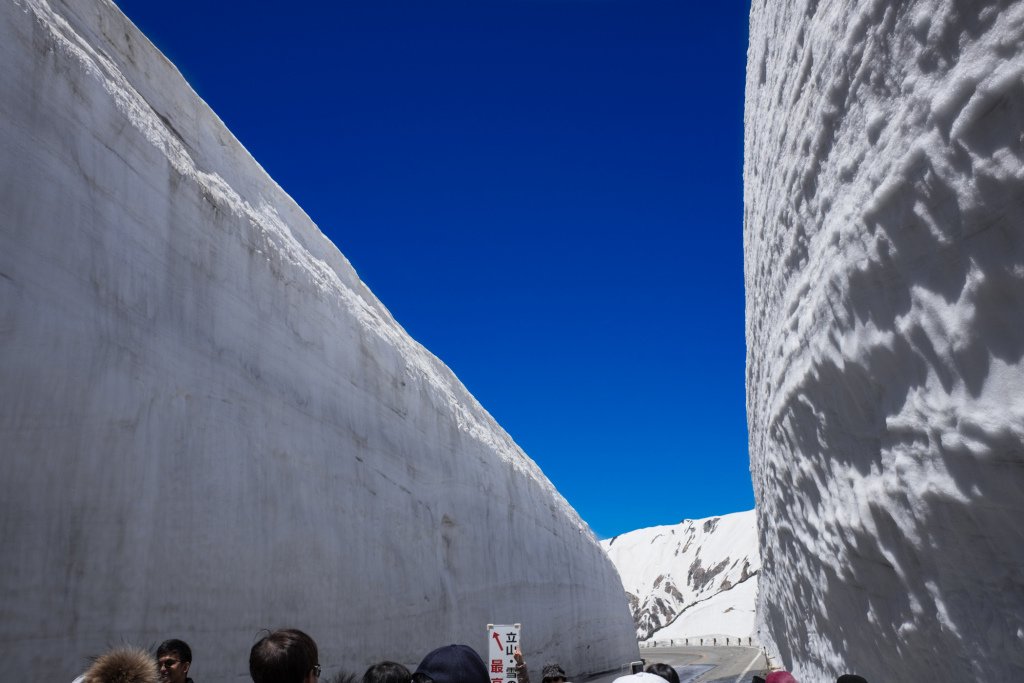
x,y
123,665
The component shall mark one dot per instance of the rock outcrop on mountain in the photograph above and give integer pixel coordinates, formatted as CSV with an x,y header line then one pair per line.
x,y
692,579
210,426
884,265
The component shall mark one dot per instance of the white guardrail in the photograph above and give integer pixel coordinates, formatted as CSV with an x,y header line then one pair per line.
x,y
702,641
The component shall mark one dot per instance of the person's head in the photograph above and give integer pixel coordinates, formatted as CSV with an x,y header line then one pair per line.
x,y
552,673
284,656
851,678
665,671
452,664
122,665
173,659
387,672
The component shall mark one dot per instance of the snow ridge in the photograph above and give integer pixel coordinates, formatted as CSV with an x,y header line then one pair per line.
x,y
692,579
330,274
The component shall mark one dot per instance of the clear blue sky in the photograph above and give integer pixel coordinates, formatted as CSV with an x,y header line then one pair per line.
x,y
547,194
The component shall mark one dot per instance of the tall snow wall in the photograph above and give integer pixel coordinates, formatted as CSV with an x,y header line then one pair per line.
x,y
210,426
884,266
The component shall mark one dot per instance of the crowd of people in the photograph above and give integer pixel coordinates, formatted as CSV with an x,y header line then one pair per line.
x,y
291,656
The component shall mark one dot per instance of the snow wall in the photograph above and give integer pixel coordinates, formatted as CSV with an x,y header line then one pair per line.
x,y
884,265
210,426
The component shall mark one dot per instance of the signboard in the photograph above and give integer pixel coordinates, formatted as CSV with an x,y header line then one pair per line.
x,y
502,641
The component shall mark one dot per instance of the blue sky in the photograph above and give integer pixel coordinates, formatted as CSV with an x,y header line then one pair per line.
x,y
547,194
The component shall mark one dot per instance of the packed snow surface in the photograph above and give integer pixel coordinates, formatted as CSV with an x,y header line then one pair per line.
x,y
692,579
884,265
210,426
728,614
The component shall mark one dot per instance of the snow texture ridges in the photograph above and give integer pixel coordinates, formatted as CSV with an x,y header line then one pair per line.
x,y
210,425
884,266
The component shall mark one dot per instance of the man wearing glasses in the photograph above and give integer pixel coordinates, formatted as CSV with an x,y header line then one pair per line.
x,y
284,656
173,658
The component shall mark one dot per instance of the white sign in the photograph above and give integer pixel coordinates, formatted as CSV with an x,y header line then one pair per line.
x,y
502,641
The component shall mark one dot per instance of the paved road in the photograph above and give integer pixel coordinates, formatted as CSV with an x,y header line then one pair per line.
x,y
704,664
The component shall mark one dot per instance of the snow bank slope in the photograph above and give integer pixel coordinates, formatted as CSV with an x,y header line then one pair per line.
x,y
210,426
884,261
695,578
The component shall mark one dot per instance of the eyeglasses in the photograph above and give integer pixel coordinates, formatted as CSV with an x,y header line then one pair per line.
x,y
168,663
316,670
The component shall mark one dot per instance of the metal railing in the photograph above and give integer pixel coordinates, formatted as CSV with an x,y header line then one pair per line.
x,y
713,641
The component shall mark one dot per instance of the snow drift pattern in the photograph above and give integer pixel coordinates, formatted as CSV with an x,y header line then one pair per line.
x,y
695,578
210,426
884,261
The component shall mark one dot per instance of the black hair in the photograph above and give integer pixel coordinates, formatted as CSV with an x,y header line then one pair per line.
x,y
387,672
284,656
665,671
178,647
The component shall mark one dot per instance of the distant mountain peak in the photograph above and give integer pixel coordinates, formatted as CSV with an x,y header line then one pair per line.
x,y
701,581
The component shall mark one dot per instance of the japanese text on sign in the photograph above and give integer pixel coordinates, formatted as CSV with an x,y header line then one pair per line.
x,y
502,641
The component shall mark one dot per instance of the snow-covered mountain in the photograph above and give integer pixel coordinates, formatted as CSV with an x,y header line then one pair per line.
x,y
884,267
209,425
692,579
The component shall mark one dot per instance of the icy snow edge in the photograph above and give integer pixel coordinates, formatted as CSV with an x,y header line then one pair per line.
x,y
295,237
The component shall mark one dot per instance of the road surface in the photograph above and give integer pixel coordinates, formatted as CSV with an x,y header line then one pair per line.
x,y
703,664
